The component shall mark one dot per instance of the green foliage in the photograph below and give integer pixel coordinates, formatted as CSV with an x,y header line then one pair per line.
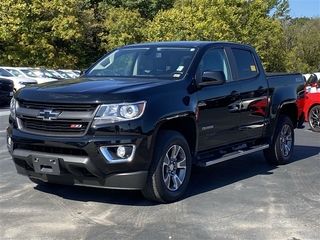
x,y
147,8
123,26
43,32
303,44
277,8
195,20
75,33
223,20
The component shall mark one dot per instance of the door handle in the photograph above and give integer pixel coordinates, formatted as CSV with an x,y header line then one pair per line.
x,y
235,93
261,89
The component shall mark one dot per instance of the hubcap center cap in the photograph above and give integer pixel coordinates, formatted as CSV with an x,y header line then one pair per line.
x,y
171,167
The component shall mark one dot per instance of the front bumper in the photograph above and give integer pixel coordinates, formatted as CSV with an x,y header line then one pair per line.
x,y
78,161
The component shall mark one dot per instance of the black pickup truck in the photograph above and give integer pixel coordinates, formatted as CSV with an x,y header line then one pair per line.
x,y
144,114
6,90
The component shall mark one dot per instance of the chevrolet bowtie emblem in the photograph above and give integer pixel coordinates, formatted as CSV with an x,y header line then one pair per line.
x,y
48,114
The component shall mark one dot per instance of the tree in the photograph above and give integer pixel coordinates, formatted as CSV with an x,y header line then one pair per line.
x,y
147,8
277,9
223,20
122,27
75,33
43,32
303,44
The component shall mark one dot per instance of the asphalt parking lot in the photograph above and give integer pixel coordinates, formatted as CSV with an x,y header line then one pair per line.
x,y
243,198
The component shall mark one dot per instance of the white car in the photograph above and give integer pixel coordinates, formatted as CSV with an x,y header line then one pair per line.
x,y
28,73
65,74
18,82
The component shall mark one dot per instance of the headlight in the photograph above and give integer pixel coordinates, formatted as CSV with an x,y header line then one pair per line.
x,y
13,108
111,113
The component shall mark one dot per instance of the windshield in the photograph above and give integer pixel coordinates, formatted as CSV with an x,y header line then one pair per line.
x,y
28,72
5,73
166,62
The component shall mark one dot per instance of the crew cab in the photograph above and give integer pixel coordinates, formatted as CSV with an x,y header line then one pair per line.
x,y
144,114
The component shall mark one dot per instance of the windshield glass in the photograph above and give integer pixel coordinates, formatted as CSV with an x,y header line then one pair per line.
x,y
5,73
28,72
166,62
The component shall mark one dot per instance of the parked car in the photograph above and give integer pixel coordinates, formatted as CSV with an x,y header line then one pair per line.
x,y
142,115
55,73
312,110
63,73
19,82
43,73
28,73
70,72
6,90
313,83
77,72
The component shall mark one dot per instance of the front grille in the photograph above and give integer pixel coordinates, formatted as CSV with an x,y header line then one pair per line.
x,y
73,119
59,106
46,149
65,127
6,85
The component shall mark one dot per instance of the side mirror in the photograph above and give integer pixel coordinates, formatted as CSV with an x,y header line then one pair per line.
x,y
210,78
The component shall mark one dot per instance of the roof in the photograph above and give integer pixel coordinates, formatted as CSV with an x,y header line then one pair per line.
x,y
199,44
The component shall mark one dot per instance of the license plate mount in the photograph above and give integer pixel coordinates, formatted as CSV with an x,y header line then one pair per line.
x,y
46,165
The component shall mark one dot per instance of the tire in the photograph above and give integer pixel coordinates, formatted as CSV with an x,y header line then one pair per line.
x,y
281,147
314,118
170,169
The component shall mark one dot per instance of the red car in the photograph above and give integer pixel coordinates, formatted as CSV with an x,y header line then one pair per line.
x,y
312,110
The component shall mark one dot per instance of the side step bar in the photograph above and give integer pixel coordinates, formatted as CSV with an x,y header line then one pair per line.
x,y
231,155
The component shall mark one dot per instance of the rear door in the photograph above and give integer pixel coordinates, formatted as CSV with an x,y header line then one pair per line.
x,y
254,93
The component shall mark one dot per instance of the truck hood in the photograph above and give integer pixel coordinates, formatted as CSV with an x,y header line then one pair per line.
x,y
89,90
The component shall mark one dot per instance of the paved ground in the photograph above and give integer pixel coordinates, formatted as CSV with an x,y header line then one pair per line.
x,y
243,198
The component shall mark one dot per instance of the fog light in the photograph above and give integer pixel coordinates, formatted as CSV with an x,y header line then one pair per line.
x,y
124,152
121,151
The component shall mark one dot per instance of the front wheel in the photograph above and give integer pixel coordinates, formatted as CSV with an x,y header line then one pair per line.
x,y
170,168
314,118
281,147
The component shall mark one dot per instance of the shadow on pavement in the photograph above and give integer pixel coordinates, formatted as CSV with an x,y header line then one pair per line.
x,y
202,180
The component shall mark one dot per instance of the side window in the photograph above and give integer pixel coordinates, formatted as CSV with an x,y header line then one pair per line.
x,y
245,62
215,60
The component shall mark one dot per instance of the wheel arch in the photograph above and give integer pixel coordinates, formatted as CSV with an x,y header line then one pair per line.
x,y
290,110
184,125
314,124
311,106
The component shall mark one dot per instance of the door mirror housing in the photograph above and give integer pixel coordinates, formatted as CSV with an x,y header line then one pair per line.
x,y
210,78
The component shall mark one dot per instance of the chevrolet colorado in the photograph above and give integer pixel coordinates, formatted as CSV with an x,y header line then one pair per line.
x,y
144,114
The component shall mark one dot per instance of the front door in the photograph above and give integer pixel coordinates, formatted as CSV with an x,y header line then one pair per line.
x,y
218,106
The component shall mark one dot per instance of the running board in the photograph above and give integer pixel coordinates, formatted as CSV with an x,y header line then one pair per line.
x,y
228,156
